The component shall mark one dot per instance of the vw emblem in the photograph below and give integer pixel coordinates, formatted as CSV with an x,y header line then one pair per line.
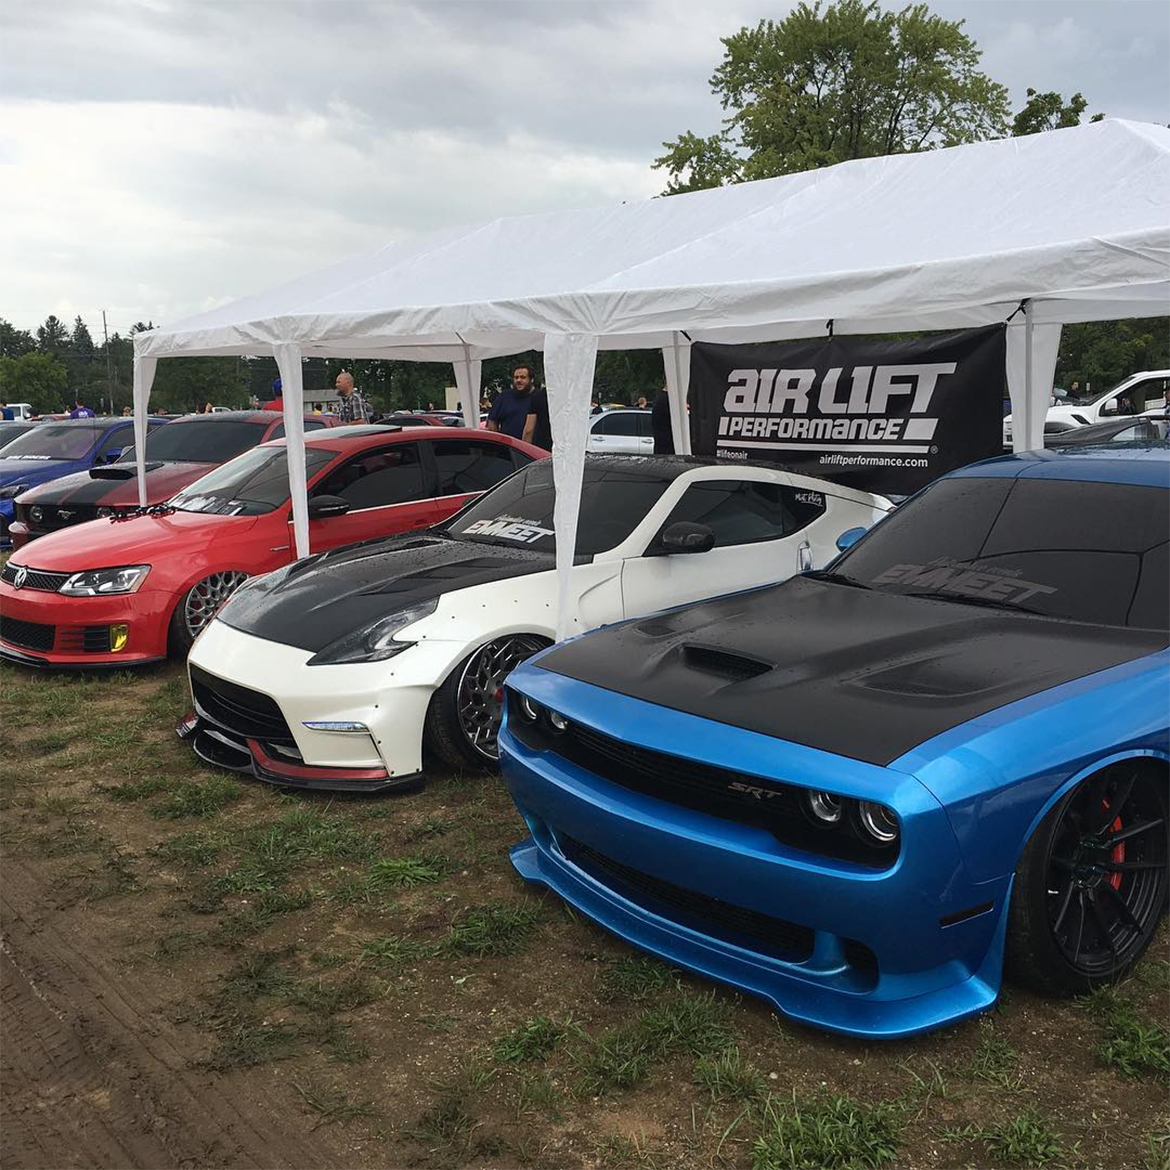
x,y
20,578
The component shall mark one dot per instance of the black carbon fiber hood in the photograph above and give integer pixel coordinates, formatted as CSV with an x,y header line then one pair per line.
x,y
861,673
316,601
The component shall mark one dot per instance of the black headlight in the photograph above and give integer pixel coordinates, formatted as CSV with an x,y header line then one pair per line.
x,y
378,640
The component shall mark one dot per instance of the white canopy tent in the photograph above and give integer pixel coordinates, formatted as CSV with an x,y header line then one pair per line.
x,y
1070,225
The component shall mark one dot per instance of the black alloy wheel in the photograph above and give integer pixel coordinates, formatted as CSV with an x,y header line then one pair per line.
x,y
1107,873
1094,880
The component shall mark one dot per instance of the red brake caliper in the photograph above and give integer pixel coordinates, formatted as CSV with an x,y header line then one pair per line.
x,y
1118,849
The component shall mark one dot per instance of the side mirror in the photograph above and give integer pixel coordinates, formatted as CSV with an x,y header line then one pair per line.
x,y
322,507
684,537
1109,406
849,538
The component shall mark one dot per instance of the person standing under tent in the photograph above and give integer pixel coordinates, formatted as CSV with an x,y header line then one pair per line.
x,y
351,406
537,428
509,412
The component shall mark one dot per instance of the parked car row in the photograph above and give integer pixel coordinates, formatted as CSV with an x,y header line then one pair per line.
x,y
847,757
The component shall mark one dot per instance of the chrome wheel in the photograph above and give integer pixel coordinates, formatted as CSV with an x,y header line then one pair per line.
x,y
205,599
480,697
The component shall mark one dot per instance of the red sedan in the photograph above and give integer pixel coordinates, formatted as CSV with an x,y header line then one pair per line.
x,y
126,591
176,455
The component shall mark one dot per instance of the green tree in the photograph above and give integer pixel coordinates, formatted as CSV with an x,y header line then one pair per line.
x,y
829,84
1049,111
184,384
38,378
15,342
52,336
1100,353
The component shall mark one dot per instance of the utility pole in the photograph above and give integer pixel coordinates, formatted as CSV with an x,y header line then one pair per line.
x,y
109,368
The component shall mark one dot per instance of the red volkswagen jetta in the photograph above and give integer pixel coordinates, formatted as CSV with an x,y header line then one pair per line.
x,y
176,455
126,591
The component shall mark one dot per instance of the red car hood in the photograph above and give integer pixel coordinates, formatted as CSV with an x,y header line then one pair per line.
x,y
139,540
163,480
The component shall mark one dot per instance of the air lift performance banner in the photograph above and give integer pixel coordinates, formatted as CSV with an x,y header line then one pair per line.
x,y
882,416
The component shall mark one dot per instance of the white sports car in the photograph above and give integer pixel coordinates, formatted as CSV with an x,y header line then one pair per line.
x,y
330,673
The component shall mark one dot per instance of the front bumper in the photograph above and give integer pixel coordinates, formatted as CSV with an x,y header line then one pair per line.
x,y
44,629
876,953
223,747
388,699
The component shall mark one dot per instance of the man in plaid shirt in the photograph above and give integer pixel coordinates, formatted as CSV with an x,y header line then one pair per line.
x,y
351,406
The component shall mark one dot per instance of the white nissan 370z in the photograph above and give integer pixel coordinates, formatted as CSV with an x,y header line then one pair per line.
x,y
335,671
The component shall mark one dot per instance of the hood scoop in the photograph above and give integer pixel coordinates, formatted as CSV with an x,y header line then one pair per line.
x,y
120,470
724,663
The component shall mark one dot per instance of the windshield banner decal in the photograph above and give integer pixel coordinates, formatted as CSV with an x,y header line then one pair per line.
x,y
882,416
507,528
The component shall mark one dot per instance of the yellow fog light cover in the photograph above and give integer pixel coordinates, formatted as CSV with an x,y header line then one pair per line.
x,y
119,635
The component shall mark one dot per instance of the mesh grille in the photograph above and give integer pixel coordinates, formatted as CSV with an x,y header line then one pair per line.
x,y
35,578
29,635
712,916
763,803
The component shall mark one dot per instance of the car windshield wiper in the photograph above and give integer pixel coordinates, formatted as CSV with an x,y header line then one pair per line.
x,y
982,602
839,578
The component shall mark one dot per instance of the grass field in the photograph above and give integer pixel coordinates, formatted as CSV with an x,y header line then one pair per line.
x,y
245,976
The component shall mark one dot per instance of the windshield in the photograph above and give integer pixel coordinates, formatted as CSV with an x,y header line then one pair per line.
x,y
1092,552
204,440
10,431
54,441
252,484
519,512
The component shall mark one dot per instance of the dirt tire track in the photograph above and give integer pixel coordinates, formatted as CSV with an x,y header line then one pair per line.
x,y
93,1073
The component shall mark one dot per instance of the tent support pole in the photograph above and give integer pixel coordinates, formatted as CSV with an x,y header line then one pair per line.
x,y
569,363
144,370
468,374
288,359
677,387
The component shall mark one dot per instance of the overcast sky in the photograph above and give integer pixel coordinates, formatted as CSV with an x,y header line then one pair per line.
x,y
161,157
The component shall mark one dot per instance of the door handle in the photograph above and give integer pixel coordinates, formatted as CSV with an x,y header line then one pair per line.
x,y
804,556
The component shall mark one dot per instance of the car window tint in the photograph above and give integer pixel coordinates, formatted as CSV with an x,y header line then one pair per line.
x,y
620,423
519,513
377,479
117,439
55,441
467,465
311,424
202,440
1063,548
249,485
744,512
645,425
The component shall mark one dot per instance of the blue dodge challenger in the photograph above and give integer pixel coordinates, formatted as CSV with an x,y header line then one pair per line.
x,y
859,793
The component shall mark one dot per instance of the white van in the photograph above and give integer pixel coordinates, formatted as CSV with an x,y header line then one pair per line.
x,y
19,409
1142,393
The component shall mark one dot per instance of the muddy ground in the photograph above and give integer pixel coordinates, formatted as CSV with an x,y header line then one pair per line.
x,y
202,971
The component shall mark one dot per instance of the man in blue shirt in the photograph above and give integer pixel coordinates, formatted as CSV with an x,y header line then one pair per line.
x,y
80,410
510,411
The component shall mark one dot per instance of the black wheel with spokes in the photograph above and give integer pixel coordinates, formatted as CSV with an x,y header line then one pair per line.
x,y
464,717
1091,884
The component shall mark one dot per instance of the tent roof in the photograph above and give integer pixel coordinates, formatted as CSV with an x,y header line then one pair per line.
x,y
1078,220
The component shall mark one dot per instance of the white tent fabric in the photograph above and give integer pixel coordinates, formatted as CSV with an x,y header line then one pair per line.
x,y
1073,225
